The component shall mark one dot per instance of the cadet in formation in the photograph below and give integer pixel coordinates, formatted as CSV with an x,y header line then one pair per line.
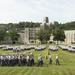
x,y
57,60
40,60
50,59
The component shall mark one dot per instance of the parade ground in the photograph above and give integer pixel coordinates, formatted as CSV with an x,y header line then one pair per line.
x,y
66,59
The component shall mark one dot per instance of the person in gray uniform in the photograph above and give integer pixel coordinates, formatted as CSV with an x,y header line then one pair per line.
x,y
57,60
50,59
40,60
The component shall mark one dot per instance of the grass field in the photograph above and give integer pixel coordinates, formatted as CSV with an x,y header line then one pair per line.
x,y
67,67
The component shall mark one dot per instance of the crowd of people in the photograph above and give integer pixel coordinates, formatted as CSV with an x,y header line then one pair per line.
x,y
24,59
17,59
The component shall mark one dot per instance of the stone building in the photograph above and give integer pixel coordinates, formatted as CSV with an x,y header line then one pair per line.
x,y
27,35
70,36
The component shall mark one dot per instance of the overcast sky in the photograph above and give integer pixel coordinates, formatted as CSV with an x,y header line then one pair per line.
x,y
34,10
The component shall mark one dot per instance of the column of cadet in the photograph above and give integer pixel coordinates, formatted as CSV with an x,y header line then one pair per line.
x,y
24,59
17,59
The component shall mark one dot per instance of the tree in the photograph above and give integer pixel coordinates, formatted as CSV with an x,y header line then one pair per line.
x,y
46,35
43,35
13,35
2,35
58,35
40,35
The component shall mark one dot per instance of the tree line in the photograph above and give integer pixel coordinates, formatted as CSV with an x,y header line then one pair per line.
x,y
20,25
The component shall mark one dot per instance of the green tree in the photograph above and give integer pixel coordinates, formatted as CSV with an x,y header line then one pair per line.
x,y
59,35
46,35
40,35
13,35
67,26
43,35
2,35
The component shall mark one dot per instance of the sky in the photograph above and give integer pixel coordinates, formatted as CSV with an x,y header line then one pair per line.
x,y
14,11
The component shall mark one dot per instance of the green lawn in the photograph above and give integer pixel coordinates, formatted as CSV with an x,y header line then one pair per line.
x,y
67,67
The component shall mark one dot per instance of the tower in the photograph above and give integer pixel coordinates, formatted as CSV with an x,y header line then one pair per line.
x,y
45,20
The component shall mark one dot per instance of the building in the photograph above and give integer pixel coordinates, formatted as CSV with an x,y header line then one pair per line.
x,y
70,36
46,22
27,35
